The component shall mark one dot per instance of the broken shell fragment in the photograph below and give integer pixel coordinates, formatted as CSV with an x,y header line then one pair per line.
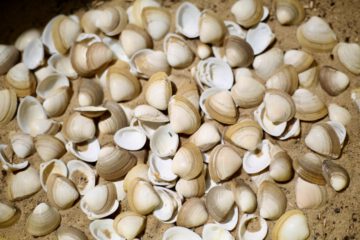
x,y
349,55
333,81
292,224
247,12
8,215
309,167
82,175
23,184
129,224
49,168
309,195
219,202
7,162
43,220
309,107
61,191
271,200
336,176
193,213
167,212
289,12
244,234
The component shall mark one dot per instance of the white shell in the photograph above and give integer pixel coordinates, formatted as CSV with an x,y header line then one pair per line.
x,y
214,232
149,113
130,138
266,64
339,114
62,65
187,20
204,95
51,167
273,129
88,155
235,29
161,168
76,166
171,203
26,37
244,234
231,220
180,233
103,230
7,164
33,55
164,142
47,87
293,129
116,48
256,162
22,144
260,37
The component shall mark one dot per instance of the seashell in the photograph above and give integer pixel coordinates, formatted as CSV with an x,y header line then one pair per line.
x,y
90,93
203,50
285,79
138,190
178,53
206,137
43,220
78,128
184,118
266,64
69,232
117,50
326,138
268,126
23,184
355,97
22,144
115,120
300,60
333,81
348,54
114,163
82,175
247,12
336,176
187,20
309,106
21,80
292,224
157,21
52,82
9,215
148,113
292,130
161,169
102,229
289,12
244,196
221,107
246,134
147,62
129,224
309,77
191,188
49,147
271,200
235,29
279,106
99,201
238,52
316,35
33,55
134,38
280,167
231,220
8,164
309,195
244,234
260,37
130,138
247,92
25,38
139,171
339,114
212,231
8,107
224,162
56,104
192,214
174,233
62,65
219,202
51,167
60,33
121,84
135,12
164,134
309,168
90,154
211,28
188,162
204,96
158,91
255,162
215,73
91,111
61,193
8,56
167,212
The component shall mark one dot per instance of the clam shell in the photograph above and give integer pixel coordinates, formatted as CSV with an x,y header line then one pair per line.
x,y
139,171
22,144
158,91
25,38
164,134
82,175
188,162
206,137
309,77
333,81
8,56
219,202
161,168
9,215
178,52
7,163
260,37
300,60
130,138
157,21
280,169
279,106
309,106
23,184
43,220
271,200
238,52
193,213
134,38
211,28
292,224
8,107
147,113
266,64
221,107
21,80
245,197
289,12
336,176
115,120
48,168
90,93
285,79
147,62
64,233
255,162
167,212
91,111
187,20
33,55
62,192
235,29
191,188
49,147
213,231
244,234
62,65
177,233
339,114
247,92
78,128
349,55
268,126
129,224
309,195
102,229
88,155
247,12
309,167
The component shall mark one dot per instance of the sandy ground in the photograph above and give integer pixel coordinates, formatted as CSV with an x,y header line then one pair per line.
x,y
338,219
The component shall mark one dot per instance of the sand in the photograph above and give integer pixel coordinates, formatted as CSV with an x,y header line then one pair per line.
x,y
338,219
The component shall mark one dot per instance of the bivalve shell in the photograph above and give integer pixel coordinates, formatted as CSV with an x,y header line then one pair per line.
x,y
90,93
289,12
309,195
78,128
292,224
147,62
285,79
70,233
158,91
192,214
309,107
245,197
129,224
339,114
211,29
49,147
8,56
21,80
300,60
9,215
244,234
114,120
82,175
266,64
167,212
214,231
25,38
7,162
279,106
178,52
62,192
260,37
271,200
157,21
219,202
99,227
222,108
247,12
175,233
130,138
238,52
8,107
134,38
187,20
333,81
164,134
309,167
43,220
206,137
23,184
33,55
349,55
192,188
22,144
247,92
336,176
188,162
255,162
49,168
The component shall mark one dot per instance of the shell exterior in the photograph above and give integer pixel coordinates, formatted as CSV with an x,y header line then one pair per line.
x,y
292,224
23,184
289,12
82,175
49,147
188,162
129,224
139,171
62,65
219,202
300,60
114,163
224,161
273,129
192,214
43,220
238,52
22,144
116,120
211,29
339,114
247,12
211,231
8,56
65,233
266,64
164,134
25,38
309,195
158,91
279,106
61,192
191,188
272,200
157,21
309,167
174,233
286,79
100,226
349,55
167,212
260,37
178,52
309,107
333,81
134,38
147,113
187,20
49,168
9,215
147,62
33,55
90,93
280,168
245,197
247,92
309,77
206,137
246,134
78,128
21,80
8,106
316,35
222,108
336,176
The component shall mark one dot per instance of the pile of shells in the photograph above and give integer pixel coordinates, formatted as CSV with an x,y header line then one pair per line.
x,y
193,135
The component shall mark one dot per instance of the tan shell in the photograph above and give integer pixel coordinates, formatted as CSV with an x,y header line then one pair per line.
x,y
266,64
62,192
90,93
279,106
134,38
333,81
184,118
49,147
158,91
348,54
247,92
178,52
21,80
78,128
191,188
22,144
147,62
221,107
309,78
336,176
8,107
292,223
289,12
339,114
309,195
114,120
188,162
245,197
309,167
280,168
238,52
114,163
23,184
157,21
129,224
43,220
9,215
70,233
206,137
309,106
285,79
219,202
271,200
8,57
300,60
211,28
224,161
139,171
193,213
247,12
246,134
